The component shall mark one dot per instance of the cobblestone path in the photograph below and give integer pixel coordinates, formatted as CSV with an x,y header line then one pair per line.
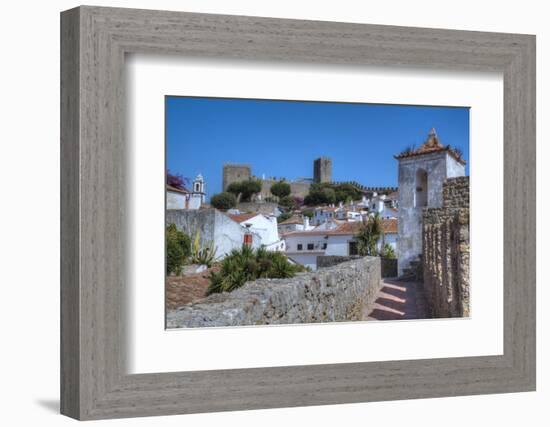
x,y
399,301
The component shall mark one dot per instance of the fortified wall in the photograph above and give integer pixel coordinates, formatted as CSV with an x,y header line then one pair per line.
x,y
340,293
446,251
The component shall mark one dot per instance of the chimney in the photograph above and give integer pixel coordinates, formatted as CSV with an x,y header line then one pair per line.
x,y
306,222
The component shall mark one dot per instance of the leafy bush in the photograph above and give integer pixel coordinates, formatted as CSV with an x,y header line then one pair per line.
x,y
308,212
178,249
322,196
387,251
246,189
223,200
202,254
283,217
287,202
280,189
246,264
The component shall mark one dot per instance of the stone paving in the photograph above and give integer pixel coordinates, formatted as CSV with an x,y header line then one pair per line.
x,y
399,300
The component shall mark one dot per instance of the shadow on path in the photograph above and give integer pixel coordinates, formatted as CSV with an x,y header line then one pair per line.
x,y
398,300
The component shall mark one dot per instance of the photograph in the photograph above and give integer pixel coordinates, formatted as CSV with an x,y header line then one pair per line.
x,y
293,212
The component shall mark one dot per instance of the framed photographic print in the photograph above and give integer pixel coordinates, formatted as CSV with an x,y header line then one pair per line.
x,y
345,212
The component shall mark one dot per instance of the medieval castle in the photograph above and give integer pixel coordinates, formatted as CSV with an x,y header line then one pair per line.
x,y
322,173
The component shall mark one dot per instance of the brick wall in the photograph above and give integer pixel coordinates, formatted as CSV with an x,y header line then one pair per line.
x,y
446,252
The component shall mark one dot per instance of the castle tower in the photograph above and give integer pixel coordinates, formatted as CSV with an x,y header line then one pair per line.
x,y
322,170
198,193
421,176
235,173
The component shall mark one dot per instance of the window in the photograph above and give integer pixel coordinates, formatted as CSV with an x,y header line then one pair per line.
x,y
299,247
352,248
324,245
421,193
310,246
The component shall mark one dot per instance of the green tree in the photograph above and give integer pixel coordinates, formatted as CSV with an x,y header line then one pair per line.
x,y
287,202
245,189
280,189
178,249
321,196
308,212
224,201
368,236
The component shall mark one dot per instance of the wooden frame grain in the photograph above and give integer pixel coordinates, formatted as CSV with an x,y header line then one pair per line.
x,y
94,41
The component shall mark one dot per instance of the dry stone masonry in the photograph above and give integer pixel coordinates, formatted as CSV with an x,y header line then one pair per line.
x,y
446,251
343,292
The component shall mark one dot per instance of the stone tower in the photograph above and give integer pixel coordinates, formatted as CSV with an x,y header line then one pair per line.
x,y
421,176
322,170
235,173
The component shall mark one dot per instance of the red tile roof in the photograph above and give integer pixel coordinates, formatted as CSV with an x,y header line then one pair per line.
x,y
242,217
389,225
292,220
176,190
431,145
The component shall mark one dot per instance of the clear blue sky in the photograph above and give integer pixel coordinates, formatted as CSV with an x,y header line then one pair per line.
x,y
282,138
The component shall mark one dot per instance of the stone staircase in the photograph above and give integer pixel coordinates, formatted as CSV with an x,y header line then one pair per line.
x,y
414,272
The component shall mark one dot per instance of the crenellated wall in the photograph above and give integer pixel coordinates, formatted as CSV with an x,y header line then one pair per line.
x,y
446,252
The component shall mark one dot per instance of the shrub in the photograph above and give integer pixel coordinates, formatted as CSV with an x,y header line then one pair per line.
x,y
178,249
308,212
280,189
287,202
246,264
387,251
283,217
223,200
323,196
202,254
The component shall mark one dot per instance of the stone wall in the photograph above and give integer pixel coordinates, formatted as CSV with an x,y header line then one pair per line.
x,y
343,292
266,208
446,252
388,266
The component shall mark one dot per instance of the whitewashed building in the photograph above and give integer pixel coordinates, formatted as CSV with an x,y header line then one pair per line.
x,y
177,198
295,223
265,226
333,238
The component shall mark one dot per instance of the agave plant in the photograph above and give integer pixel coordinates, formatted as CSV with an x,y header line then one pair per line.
x,y
204,254
246,264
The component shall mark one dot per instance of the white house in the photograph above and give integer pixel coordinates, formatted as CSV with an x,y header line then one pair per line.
x,y
176,197
391,230
332,238
323,214
295,223
304,247
265,226
383,205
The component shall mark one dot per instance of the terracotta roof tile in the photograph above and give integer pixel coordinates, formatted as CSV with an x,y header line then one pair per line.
x,y
242,217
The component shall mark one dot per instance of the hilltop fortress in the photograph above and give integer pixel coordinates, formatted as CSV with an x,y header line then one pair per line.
x,y
322,173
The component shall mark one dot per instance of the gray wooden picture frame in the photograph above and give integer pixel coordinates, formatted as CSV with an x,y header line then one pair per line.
x,y
94,382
